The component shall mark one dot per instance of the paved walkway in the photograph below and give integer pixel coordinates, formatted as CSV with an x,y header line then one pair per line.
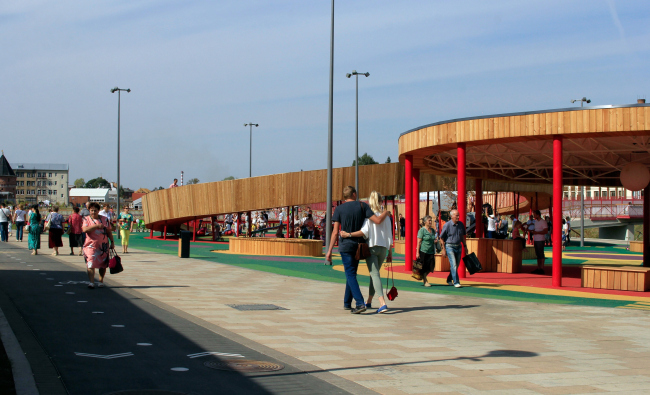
x,y
426,343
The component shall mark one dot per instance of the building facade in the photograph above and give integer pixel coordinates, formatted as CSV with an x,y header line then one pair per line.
x,y
39,182
7,181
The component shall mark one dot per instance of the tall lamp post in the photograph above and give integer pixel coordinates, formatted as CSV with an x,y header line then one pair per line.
x,y
356,144
119,91
330,139
250,153
582,101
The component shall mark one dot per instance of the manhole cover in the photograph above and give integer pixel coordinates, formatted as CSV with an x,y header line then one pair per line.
x,y
243,365
249,307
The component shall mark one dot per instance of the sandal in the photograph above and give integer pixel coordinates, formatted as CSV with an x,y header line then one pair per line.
x,y
100,284
91,286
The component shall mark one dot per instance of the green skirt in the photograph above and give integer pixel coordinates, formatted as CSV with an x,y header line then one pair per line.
x,y
34,241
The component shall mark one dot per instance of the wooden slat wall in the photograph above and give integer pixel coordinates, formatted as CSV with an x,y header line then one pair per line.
x,y
625,119
616,278
495,255
177,205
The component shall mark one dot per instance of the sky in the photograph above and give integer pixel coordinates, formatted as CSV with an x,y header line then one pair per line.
x,y
200,70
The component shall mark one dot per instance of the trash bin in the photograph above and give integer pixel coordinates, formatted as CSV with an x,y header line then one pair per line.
x,y
184,244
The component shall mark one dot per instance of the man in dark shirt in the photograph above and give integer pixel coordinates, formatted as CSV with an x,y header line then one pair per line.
x,y
350,217
452,237
402,225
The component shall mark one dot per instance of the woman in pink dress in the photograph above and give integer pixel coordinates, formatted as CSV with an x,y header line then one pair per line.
x,y
96,247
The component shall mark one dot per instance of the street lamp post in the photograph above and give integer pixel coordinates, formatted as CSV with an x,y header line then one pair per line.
x,y
330,139
356,144
119,91
582,101
250,154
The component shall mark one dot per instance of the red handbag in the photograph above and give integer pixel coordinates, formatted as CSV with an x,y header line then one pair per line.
x,y
114,262
392,294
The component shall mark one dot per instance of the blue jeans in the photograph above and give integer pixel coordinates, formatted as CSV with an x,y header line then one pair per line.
x,y
490,234
4,228
352,289
20,225
453,254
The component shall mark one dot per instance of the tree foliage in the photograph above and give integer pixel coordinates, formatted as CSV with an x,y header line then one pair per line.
x,y
228,178
388,160
79,183
98,182
192,181
365,159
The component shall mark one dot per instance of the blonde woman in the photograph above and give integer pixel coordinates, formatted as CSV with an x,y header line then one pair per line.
x,y
380,241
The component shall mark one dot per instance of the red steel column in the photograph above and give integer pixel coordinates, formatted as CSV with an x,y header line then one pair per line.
x,y
646,226
557,215
462,200
416,208
478,211
408,212
395,220
194,230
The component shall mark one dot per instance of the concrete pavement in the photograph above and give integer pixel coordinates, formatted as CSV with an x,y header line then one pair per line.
x,y
426,343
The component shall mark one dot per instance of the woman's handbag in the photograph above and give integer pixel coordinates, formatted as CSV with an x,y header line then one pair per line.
x,y
392,294
47,226
417,268
114,262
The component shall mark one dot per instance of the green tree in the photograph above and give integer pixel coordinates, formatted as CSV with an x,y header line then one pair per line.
x,y
388,160
79,183
98,182
228,178
192,181
365,159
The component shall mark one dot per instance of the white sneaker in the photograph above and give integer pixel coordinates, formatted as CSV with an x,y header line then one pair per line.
x,y
457,285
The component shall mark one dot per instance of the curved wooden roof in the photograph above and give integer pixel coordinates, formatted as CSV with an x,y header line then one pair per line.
x,y
598,142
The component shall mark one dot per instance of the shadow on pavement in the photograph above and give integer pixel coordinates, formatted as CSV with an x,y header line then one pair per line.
x,y
399,310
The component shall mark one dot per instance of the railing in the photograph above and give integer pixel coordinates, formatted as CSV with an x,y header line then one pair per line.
x,y
606,209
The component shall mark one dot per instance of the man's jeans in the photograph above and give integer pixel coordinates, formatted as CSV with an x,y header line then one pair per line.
x,y
352,289
453,254
4,227
20,226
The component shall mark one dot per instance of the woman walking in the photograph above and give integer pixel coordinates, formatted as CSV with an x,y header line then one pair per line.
x,y
75,234
380,241
19,220
426,249
55,221
125,221
34,239
96,247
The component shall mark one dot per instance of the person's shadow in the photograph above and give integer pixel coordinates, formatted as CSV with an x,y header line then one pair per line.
x,y
399,310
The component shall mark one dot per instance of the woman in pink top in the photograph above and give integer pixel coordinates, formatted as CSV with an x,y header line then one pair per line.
x,y
96,247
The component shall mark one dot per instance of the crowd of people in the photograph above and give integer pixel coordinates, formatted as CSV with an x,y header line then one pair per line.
x,y
89,229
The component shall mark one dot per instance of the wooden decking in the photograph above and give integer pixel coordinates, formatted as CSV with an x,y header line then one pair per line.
x,y
623,278
270,246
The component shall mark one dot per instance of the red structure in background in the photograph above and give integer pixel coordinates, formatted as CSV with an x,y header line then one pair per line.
x,y
408,212
557,215
415,210
479,207
462,201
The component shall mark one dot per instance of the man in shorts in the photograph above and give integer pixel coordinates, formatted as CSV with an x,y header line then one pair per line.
x,y
539,229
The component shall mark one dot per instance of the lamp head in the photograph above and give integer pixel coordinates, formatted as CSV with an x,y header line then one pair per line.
x,y
256,124
245,124
128,90
588,101
573,101
114,89
348,75
367,74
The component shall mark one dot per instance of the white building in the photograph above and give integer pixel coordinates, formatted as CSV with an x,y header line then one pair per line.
x,y
99,195
573,192
37,182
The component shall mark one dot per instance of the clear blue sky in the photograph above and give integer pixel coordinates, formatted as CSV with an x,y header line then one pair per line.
x,y
199,70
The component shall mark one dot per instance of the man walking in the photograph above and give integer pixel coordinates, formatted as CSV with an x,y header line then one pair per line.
x,y
452,237
539,230
350,217
402,226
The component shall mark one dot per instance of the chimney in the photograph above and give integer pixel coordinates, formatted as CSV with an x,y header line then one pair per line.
x,y
640,101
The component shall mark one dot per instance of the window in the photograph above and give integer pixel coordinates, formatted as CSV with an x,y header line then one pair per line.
x,y
50,175
49,192
54,182
38,183
49,183
19,174
62,176
61,195
588,194
22,183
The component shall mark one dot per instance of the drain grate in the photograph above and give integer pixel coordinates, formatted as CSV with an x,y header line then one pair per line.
x,y
250,307
244,365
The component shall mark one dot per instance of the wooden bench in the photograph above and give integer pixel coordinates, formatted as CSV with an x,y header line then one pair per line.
x,y
398,247
497,255
622,278
273,246
636,246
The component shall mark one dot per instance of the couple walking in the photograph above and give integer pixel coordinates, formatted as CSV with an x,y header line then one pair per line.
x,y
356,221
